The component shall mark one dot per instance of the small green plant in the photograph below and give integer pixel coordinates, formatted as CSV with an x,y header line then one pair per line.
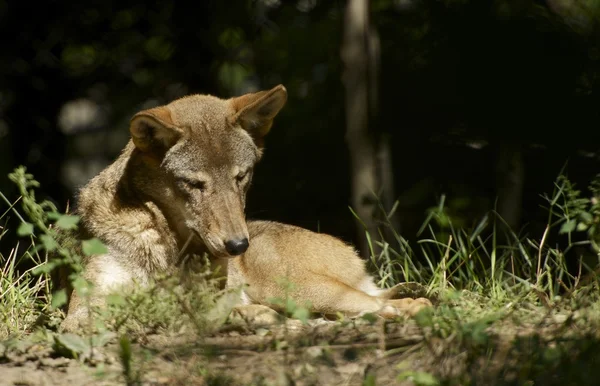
x,y
419,378
51,234
23,295
289,305
164,303
71,345
168,304
132,377
574,213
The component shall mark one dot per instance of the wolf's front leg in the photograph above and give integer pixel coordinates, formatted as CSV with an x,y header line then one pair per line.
x,y
106,273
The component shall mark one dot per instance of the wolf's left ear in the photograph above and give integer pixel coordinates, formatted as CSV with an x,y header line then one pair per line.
x,y
255,111
153,130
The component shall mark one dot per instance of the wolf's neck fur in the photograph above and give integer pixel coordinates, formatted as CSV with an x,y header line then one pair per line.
x,y
132,223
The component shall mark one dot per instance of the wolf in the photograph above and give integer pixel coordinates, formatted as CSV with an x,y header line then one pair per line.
x,y
179,187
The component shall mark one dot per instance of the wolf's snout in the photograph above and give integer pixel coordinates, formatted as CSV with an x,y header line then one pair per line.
x,y
236,247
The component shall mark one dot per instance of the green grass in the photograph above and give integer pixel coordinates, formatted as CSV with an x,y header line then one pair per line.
x,y
473,260
516,297
23,294
508,309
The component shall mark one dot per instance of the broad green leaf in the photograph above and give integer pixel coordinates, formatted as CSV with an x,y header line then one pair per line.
x,y
81,286
369,317
419,378
586,217
49,243
99,324
59,298
102,338
54,215
301,314
290,306
37,248
25,229
568,226
93,247
276,301
44,267
67,222
70,344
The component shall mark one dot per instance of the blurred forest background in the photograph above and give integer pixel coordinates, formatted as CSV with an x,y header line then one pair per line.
x,y
476,100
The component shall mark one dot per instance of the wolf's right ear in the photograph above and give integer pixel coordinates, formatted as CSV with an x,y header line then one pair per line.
x,y
255,111
153,130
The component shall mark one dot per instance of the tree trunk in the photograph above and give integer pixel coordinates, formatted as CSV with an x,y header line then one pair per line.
x,y
370,155
510,177
385,172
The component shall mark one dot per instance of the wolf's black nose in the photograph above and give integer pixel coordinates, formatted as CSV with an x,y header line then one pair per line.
x,y
236,247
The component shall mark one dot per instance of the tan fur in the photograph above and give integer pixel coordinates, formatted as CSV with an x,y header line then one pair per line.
x,y
181,182
323,270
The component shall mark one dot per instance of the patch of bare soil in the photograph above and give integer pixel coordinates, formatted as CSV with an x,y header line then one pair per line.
x,y
38,364
321,353
327,353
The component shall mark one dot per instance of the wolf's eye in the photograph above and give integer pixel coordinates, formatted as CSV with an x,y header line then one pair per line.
x,y
194,184
241,176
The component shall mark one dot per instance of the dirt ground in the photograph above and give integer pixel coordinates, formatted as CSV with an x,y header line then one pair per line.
x,y
321,353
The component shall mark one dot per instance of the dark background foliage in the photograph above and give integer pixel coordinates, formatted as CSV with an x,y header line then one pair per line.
x,y
463,83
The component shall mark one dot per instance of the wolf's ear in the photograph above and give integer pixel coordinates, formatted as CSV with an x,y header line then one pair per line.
x,y
255,111
153,130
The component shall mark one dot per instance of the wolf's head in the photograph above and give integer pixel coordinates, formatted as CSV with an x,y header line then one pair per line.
x,y
204,150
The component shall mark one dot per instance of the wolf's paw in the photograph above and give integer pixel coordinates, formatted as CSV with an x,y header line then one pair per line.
x,y
75,321
255,315
409,306
70,324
